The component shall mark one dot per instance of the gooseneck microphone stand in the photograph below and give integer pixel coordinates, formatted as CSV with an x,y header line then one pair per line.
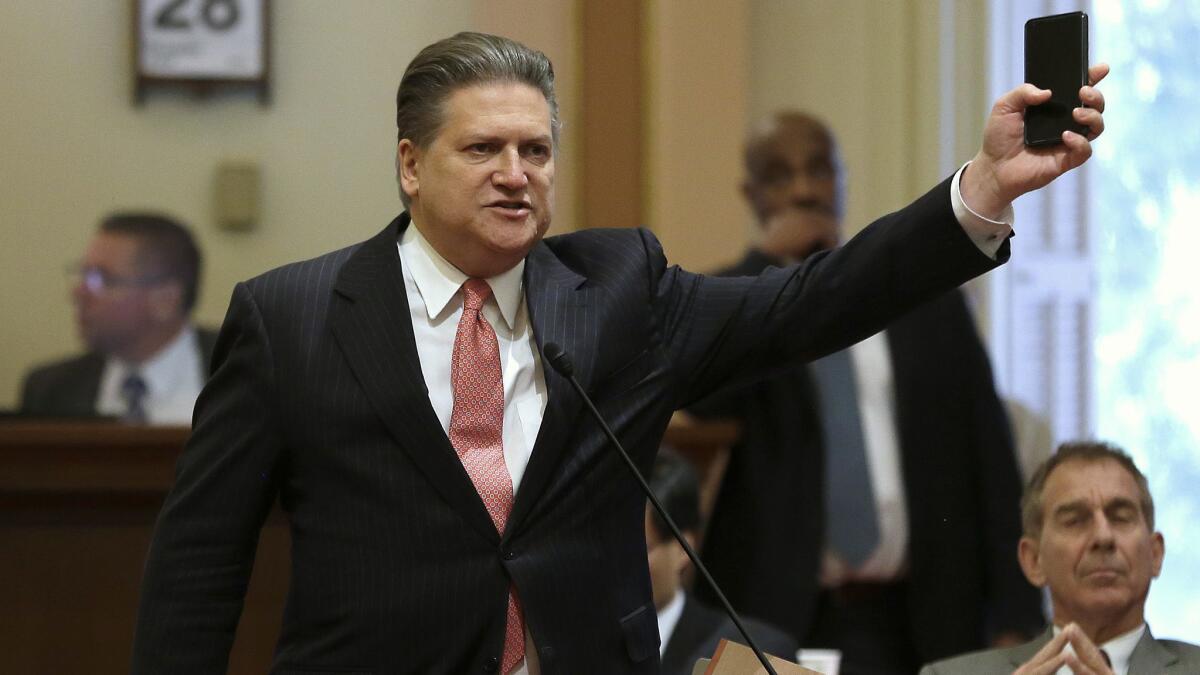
x,y
562,363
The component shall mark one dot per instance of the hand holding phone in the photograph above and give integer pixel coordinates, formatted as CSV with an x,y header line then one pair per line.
x,y
1056,59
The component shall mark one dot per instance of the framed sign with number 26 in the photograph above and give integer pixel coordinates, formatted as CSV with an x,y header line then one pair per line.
x,y
203,45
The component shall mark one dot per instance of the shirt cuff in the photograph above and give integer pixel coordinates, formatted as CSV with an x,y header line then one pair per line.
x,y
987,234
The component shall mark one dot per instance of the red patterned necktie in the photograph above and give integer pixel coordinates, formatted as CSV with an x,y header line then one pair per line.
x,y
476,432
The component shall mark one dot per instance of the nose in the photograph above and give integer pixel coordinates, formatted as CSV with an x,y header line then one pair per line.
x,y
510,173
802,186
1102,534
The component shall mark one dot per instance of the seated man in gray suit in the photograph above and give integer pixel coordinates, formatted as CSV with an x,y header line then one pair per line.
x,y
1089,537
134,292
689,630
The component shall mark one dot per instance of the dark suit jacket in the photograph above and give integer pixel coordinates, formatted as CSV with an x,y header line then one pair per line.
x,y
68,388
318,399
1151,656
961,482
701,629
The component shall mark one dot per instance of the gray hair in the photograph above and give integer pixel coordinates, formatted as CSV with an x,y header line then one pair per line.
x,y
1032,506
459,61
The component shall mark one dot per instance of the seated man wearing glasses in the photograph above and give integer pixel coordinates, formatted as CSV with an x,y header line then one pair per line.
x,y
133,293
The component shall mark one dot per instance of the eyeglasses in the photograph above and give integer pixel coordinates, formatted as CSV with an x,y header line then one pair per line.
x,y
96,280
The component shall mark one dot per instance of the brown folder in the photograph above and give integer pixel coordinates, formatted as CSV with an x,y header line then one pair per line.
x,y
733,658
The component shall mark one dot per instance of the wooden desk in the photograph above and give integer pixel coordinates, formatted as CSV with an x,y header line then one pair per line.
x,y
77,507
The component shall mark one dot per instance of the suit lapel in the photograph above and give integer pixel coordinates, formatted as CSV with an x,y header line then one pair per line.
x,y
559,307
1018,655
81,396
1149,656
372,325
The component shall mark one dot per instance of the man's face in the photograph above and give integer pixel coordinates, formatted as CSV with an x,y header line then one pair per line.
x,y
793,186
1095,552
667,561
114,299
483,190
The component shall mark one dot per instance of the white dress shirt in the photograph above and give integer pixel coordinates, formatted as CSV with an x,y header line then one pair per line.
x,y
1119,650
435,305
173,377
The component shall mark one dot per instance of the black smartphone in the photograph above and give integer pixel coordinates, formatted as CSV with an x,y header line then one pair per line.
x,y
1055,59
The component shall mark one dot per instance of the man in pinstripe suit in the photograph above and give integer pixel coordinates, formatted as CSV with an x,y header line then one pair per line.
x,y
330,392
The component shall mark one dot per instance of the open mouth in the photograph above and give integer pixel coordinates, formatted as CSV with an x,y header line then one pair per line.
x,y
512,207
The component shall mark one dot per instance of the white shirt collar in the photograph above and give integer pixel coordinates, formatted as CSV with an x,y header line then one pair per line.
x,y
1119,649
438,281
668,618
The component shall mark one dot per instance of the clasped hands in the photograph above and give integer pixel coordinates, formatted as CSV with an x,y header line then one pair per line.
x,y
1083,659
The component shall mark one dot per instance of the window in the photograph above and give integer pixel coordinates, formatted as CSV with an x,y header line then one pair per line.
x,y
1145,186
1096,322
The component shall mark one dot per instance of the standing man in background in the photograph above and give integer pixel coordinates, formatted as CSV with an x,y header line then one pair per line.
x,y
871,505
134,292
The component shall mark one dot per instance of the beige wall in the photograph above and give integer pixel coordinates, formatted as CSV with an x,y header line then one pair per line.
x,y
74,147
696,91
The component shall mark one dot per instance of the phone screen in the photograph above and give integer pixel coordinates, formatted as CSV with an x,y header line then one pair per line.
x,y
1055,59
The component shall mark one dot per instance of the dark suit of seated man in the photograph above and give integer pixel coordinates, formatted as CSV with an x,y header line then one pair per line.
x,y
1089,538
688,629
134,291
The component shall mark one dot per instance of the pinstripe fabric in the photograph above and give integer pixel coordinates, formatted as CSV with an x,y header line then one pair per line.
x,y
318,399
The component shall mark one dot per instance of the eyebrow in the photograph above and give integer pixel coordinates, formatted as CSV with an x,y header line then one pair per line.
x,y
1071,508
1081,506
1121,503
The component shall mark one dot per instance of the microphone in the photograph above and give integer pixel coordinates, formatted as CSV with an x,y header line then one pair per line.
x,y
562,363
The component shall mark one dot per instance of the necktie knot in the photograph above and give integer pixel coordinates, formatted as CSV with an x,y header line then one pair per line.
x,y
475,293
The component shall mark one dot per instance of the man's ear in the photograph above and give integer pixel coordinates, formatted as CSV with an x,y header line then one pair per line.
x,y
407,157
750,194
1030,557
1158,549
166,301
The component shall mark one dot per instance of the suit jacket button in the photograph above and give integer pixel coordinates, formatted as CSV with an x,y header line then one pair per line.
x,y
491,665
509,554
